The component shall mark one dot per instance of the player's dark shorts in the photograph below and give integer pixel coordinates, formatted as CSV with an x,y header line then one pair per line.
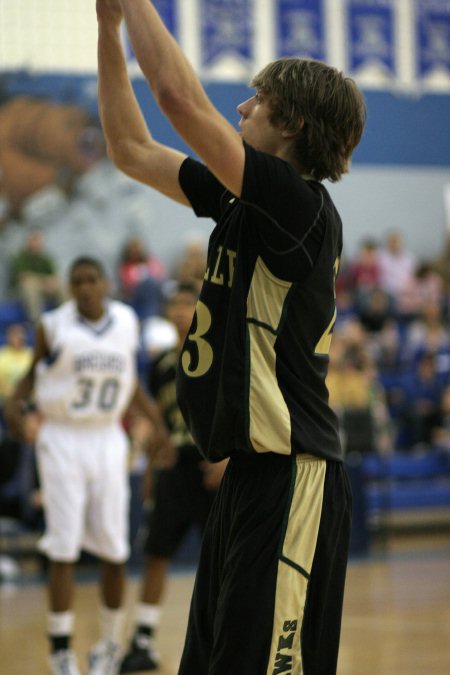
x,y
270,582
180,501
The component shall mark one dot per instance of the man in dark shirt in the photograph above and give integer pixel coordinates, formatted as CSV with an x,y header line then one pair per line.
x,y
251,374
182,491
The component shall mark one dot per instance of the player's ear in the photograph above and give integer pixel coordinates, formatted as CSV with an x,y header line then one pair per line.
x,y
292,132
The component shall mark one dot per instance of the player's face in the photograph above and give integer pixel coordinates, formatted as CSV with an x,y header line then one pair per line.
x,y
88,288
180,310
256,128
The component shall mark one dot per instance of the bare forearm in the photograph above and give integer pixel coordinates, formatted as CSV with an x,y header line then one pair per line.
x,y
24,388
15,405
130,143
171,77
181,97
121,117
147,406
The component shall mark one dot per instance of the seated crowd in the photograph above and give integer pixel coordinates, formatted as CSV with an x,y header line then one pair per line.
x,y
393,337
389,377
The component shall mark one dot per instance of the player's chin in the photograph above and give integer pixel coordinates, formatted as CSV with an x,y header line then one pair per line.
x,y
86,305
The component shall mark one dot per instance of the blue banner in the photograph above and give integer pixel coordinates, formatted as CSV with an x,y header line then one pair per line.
x,y
167,12
226,29
433,36
371,31
300,28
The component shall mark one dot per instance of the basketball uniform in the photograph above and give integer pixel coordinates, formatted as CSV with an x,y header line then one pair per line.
x,y
82,389
180,496
251,385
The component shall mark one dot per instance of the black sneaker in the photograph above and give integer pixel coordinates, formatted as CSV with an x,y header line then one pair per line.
x,y
139,660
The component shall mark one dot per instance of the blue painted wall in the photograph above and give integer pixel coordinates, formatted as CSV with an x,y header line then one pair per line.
x,y
401,129
399,175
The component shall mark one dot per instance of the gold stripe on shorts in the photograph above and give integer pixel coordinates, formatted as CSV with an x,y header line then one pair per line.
x,y
294,566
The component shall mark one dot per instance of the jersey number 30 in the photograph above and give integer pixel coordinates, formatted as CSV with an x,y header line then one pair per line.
x,y
103,397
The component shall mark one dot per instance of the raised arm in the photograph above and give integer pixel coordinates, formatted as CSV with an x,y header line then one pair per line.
x,y
130,144
181,96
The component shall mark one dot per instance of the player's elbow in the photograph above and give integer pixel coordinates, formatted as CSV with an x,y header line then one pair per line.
x,y
174,103
116,155
121,155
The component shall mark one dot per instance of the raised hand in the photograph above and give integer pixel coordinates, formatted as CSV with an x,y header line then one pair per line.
x,y
109,11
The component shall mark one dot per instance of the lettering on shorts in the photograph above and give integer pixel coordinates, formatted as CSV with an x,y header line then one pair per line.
x,y
283,657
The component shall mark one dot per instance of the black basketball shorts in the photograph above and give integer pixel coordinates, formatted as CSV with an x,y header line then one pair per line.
x,y
269,589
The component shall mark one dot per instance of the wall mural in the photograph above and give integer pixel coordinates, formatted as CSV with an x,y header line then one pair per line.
x,y
42,143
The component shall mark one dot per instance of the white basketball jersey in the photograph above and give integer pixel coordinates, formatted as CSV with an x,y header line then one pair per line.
x,y
90,374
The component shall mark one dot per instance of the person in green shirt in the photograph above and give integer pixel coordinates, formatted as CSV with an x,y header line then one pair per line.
x,y
34,278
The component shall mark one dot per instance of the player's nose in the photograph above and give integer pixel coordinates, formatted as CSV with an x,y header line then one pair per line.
x,y
244,107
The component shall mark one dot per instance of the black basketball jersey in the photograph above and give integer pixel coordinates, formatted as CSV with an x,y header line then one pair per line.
x,y
251,376
162,385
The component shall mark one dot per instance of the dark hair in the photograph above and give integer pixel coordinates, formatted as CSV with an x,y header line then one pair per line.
x,y
172,288
324,106
86,260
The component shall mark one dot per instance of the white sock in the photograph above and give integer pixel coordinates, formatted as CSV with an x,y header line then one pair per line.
x,y
112,624
60,623
148,615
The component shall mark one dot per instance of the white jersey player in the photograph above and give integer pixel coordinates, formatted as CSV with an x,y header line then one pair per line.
x,y
90,374
83,378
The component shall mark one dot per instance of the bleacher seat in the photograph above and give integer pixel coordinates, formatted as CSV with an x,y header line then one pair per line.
x,y
407,481
11,311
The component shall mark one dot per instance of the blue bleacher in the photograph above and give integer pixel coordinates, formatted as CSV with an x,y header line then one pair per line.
x,y
11,311
407,480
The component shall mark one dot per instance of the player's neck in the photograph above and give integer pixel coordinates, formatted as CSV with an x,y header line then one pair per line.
x,y
96,315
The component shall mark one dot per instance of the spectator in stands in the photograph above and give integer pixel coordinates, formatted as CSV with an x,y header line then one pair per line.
x,y
345,301
397,266
441,430
375,310
140,276
34,277
422,392
356,393
15,359
191,265
424,287
364,272
428,333
441,264
386,345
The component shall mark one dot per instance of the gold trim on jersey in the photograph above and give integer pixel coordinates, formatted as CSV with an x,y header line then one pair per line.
x,y
269,418
295,564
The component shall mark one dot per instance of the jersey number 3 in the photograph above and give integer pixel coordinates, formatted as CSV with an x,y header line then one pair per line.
x,y
204,350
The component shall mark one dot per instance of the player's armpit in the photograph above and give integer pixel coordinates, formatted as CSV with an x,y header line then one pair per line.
x,y
216,142
154,164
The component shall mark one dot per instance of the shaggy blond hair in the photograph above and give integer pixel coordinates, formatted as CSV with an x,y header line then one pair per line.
x,y
324,106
